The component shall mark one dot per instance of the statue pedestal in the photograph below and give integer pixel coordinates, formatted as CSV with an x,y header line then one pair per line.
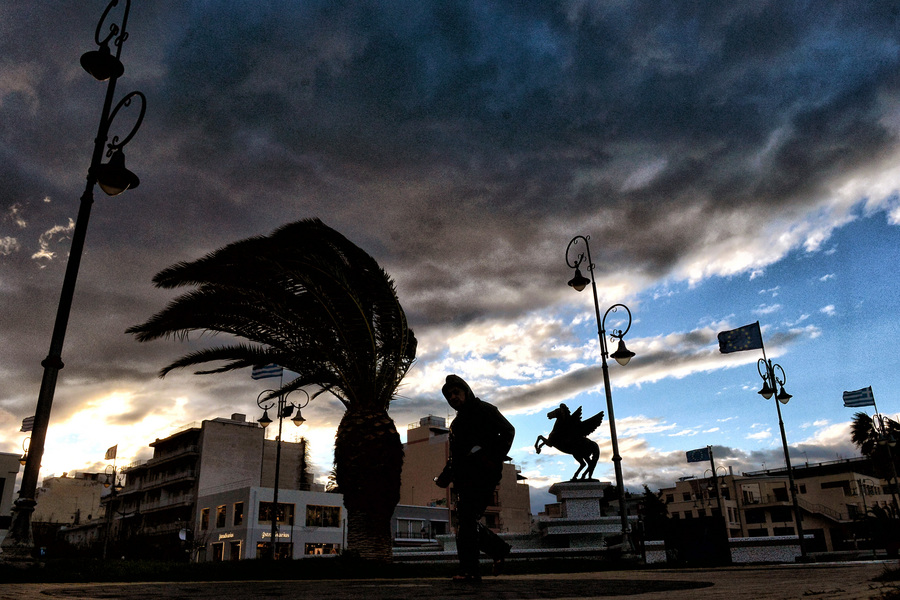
x,y
581,523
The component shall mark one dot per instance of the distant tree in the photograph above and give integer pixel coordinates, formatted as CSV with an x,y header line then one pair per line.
x,y
654,513
308,299
332,487
866,437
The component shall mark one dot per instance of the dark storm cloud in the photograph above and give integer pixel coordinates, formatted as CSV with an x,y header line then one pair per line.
x,y
462,144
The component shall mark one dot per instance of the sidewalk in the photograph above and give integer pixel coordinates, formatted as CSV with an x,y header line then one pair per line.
x,y
835,581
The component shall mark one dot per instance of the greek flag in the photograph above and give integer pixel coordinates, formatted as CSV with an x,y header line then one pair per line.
x,y
27,424
863,397
266,371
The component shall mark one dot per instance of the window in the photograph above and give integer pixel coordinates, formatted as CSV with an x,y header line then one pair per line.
x,y
802,488
323,516
750,493
781,494
701,512
686,496
688,514
204,519
758,532
321,548
675,515
238,514
282,550
670,498
783,531
755,515
781,514
412,529
220,516
285,513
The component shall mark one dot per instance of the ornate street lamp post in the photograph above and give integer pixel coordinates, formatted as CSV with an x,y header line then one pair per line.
x,y
24,458
284,409
113,482
113,178
714,483
622,355
771,383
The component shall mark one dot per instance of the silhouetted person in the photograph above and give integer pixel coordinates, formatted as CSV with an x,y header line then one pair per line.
x,y
480,437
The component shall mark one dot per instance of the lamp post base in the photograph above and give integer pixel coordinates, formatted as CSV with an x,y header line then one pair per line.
x,y
19,542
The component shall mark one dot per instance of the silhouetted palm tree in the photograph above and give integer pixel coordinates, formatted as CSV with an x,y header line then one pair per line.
x,y
866,438
308,299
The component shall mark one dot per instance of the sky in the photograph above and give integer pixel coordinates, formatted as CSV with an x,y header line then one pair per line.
x,y
731,163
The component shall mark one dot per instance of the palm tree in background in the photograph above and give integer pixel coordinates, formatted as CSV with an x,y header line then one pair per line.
x,y
311,301
866,437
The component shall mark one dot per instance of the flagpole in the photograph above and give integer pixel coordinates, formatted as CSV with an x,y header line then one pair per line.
x,y
712,466
770,378
728,343
762,344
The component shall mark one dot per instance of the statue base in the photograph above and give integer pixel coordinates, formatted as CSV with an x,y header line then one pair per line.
x,y
580,522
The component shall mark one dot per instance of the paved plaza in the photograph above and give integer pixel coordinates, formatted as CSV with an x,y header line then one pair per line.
x,y
837,581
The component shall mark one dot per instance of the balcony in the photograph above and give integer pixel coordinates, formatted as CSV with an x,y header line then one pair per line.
x,y
766,500
168,479
180,454
166,503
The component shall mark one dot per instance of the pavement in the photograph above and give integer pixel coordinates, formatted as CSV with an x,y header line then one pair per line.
x,y
831,581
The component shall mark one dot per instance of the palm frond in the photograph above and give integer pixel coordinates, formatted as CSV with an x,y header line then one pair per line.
x,y
305,298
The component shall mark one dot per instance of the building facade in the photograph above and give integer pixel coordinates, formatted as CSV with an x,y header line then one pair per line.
x,y
236,524
833,498
157,514
9,470
426,451
69,500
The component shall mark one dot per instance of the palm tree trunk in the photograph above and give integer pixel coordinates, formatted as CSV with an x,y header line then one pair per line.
x,y
368,459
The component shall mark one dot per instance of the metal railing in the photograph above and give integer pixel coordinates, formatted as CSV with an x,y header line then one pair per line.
x,y
822,510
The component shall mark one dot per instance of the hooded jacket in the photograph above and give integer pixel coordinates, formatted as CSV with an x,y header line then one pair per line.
x,y
480,438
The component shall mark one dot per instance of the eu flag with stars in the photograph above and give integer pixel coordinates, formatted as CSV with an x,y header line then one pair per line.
x,y
698,455
748,337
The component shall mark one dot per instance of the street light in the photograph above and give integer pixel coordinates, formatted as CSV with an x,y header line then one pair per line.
x,y
113,178
24,458
622,355
113,482
284,409
771,384
714,479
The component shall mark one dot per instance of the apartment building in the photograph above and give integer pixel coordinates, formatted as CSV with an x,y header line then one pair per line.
x,y
426,451
157,509
69,499
9,470
832,498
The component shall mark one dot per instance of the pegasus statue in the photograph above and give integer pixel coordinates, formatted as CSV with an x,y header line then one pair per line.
x,y
569,435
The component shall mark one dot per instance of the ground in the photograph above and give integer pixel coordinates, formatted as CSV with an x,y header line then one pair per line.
x,y
834,581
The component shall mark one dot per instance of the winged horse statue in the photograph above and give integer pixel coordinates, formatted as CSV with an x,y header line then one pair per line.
x,y
569,435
